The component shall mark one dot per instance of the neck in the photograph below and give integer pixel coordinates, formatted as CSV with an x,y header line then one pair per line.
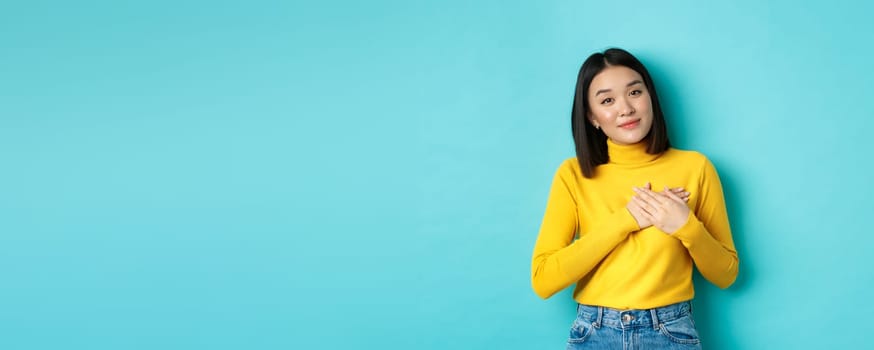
x,y
629,154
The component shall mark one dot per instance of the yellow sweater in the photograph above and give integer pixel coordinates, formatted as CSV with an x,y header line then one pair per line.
x,y
615,263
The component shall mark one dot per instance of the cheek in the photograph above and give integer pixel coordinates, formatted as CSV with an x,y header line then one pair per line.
x,y
602,114
644,105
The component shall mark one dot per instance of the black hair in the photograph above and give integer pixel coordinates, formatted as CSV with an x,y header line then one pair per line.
x,y
591,143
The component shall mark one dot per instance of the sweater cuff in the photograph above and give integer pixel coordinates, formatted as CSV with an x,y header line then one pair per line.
x,y
690,232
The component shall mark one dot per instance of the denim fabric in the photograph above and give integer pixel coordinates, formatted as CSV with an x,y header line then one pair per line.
x,y
667,327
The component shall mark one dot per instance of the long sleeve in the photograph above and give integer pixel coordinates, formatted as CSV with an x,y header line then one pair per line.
x,y
707,234
558,263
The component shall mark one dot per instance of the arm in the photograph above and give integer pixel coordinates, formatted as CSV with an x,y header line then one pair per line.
x,y
707,234
558,263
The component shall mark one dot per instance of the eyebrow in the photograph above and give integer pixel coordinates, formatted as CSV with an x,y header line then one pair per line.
x,y
608,90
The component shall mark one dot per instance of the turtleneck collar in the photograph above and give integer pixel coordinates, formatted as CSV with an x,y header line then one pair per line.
x,y
629,154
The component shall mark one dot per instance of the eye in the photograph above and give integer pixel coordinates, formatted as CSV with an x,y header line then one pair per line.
x,y
607,100
636,92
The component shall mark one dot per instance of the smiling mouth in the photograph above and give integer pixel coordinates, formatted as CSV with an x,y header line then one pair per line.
x,y
630,125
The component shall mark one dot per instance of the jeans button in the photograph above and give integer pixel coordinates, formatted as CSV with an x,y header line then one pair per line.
x,y
627,318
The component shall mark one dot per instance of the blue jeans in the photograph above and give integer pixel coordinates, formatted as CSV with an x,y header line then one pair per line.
x,y
667,327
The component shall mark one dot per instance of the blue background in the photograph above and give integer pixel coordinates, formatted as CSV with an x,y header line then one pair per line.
x,y
331,175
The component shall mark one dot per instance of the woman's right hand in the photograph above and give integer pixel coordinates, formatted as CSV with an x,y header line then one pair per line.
x,y
637,212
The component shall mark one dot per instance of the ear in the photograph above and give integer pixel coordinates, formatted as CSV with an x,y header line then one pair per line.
x,y
593,121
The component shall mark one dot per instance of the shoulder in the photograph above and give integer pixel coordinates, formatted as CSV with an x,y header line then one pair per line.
x,y
568,170
569,162
696,162
569,166
693,159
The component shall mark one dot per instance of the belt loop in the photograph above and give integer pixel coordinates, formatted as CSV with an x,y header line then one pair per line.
x,y
600,316
655,318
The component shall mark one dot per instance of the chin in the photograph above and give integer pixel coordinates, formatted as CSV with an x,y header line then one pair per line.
x,y
628,140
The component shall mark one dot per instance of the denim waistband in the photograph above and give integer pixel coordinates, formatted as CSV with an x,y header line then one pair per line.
x,y
610,317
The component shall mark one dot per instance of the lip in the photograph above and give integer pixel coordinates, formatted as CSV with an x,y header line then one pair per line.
x,y
631,124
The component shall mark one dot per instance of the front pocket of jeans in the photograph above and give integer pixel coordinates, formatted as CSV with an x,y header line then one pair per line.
x,y
681,331
580,331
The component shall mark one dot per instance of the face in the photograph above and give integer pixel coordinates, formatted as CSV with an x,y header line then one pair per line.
x,y
620,104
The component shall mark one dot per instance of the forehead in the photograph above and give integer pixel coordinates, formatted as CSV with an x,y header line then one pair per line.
x,y
614,78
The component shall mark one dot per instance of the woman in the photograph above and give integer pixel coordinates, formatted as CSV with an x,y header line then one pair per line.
x,y
638,231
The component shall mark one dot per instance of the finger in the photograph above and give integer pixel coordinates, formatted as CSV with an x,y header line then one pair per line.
x,y
653,197
638,203
634,208
681,192
643,205
675,197
640,216
671,196
643,199
648,186
666,190
647,216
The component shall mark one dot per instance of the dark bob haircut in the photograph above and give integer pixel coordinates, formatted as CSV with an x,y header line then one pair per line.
x,y
591,144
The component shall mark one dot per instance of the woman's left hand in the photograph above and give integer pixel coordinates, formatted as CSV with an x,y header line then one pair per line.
x,y
664,210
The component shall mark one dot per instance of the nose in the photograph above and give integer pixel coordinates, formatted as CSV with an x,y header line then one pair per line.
x,y
627,108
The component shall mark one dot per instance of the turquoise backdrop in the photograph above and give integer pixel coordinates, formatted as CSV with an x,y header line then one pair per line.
x,y
372,175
